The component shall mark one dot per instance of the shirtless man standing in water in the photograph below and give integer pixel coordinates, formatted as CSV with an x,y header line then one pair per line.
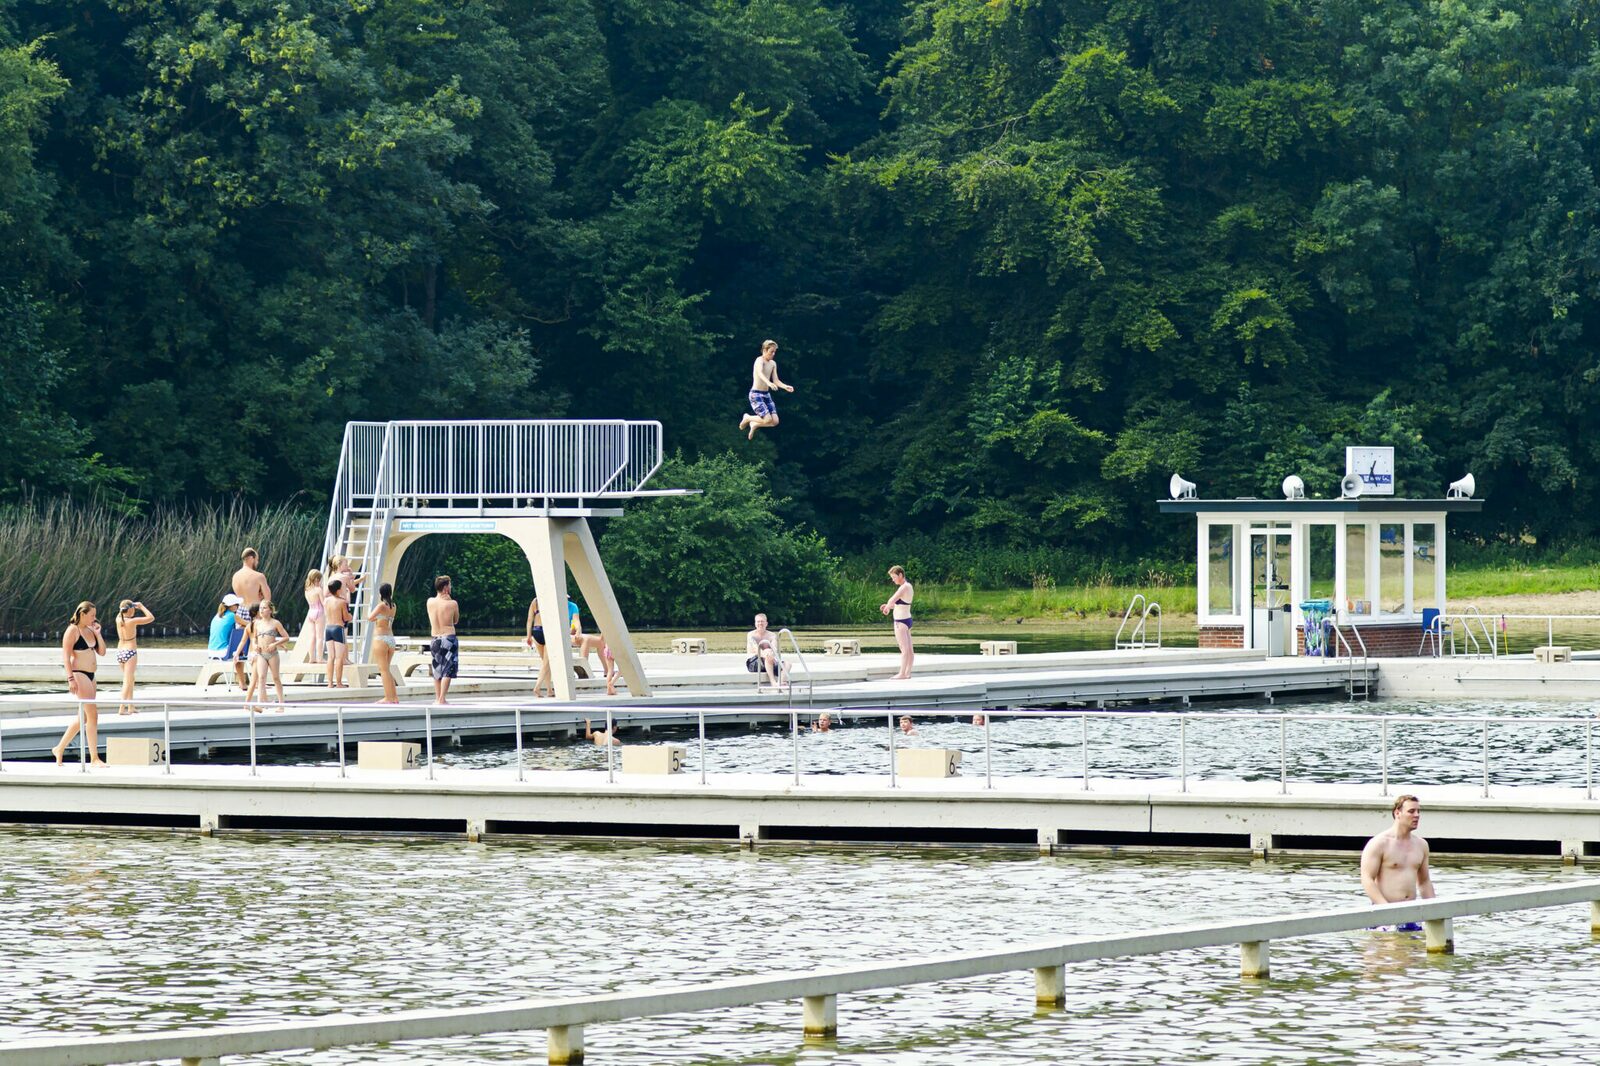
x,y
1394,864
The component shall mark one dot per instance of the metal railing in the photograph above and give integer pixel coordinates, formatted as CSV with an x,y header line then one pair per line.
x,y
1468,617
1139,637
1182,721
1365,675
811,683
817,989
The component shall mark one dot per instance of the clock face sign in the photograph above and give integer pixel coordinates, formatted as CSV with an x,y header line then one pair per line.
x,y
1373,468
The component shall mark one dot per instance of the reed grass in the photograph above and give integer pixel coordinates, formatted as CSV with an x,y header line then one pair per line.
x,y
178,562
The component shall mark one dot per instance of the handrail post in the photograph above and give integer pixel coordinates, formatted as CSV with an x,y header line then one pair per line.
x,y
988,751
427,729
794,729
1083,719
611,737
1588,758
701,711
252,715
83,741
1283,754
338,714
166,736
892,783
1183,753
516,713
1383,724
1485,758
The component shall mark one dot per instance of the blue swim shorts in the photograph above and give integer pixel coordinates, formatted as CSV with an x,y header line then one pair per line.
x,y
761,403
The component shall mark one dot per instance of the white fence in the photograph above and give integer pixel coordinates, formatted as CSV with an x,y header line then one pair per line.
x,y
818,990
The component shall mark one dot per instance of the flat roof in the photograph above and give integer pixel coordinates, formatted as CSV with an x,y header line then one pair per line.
x,y
1356,504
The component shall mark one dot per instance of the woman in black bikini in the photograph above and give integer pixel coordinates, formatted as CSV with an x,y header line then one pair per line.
x,y
81,646
128,624
900,606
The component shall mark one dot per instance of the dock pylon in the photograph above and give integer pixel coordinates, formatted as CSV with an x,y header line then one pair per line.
x,y
535,482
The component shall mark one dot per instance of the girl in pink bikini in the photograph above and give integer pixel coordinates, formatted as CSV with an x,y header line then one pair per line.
x,y
311,631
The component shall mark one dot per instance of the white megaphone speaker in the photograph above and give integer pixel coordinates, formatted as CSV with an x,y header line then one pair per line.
x,y
1349,486
1463,489
1294,488
1180,489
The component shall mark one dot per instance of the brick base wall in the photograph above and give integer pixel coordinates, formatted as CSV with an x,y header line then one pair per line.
x,y
1222,636
1383,641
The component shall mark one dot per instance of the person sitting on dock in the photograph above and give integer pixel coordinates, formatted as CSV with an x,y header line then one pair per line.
x,y
1394,864
602,737
443,614
761,651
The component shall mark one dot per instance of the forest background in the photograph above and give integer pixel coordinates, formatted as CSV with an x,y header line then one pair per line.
x,y
1025,259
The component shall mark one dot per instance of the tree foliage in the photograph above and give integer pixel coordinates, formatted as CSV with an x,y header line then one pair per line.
x,y
1025,258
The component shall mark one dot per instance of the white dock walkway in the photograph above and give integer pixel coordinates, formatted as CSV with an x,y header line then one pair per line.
x,y
31,725
1048,813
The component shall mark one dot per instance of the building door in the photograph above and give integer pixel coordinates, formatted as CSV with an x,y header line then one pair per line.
x,y
1271,614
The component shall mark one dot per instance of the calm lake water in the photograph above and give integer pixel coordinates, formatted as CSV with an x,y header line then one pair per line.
x,y
1135,742
137,933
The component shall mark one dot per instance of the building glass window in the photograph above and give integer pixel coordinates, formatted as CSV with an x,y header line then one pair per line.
x,y
1424,565
1392,567
1355,570
1223,597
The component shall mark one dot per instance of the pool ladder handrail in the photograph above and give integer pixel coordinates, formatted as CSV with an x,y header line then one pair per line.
x,y
1350,653
811,681
1467,616
1138,639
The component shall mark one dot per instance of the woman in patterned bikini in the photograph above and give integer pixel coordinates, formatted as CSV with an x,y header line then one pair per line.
x,y
128,625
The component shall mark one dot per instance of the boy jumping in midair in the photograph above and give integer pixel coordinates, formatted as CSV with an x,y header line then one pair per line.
x,y
763,379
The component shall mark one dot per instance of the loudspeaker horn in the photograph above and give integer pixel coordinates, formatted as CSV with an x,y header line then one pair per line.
x,y
1349,486
1294,488
1180,488
1463,489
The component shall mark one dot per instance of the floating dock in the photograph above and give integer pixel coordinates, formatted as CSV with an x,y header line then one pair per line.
x,y
31,724
1032,812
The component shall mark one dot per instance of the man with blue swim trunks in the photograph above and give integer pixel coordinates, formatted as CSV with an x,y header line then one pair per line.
x,y
763,379
1394,864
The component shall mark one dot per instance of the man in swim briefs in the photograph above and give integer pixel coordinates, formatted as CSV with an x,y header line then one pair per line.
x,y
443,614
763,379
250,585
1394,864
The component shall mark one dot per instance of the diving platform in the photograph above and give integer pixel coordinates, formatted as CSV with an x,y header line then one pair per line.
x,y
536,482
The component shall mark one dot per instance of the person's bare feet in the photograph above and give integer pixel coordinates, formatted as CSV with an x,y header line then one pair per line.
x,y
97,761
58,753
752,434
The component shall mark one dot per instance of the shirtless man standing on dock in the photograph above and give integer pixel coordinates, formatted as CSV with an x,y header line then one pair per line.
x,y
1394,864
250,585
443,614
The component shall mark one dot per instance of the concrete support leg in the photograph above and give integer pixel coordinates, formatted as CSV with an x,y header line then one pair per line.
x,y
1254,959
1594,917
1050,986
1260,844
209,1061
590,573
541,542
475,830
1571,852
1048,839
821,1017
566,1045
1440,936
750,834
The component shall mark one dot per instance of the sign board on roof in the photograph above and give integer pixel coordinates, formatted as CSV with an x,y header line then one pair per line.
x,y
1373,467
